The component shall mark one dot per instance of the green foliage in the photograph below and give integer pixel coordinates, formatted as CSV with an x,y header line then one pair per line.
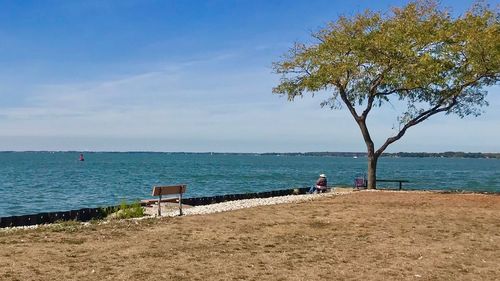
x,y
106,211
127,211
418,55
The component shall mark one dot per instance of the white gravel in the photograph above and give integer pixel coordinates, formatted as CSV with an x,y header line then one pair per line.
x,y
248,203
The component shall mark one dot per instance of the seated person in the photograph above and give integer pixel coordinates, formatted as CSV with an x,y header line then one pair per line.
x,y
320,186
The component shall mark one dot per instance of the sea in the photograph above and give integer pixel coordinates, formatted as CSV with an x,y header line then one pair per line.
x,y
34,182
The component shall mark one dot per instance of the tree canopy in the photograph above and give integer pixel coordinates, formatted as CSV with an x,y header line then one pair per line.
x,y
419,55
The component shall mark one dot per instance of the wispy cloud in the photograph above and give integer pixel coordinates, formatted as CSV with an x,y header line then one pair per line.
x,y
188,99
207,104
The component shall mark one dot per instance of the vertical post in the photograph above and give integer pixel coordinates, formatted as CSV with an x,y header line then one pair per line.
x,y
180,200
159,205
400,185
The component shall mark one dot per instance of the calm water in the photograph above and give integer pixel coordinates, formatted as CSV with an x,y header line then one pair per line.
x,y
32,182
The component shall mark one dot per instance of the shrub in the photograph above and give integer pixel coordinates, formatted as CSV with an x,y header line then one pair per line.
x,y
127,211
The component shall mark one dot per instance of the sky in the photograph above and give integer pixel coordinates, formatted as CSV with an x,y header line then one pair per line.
x,y
188,76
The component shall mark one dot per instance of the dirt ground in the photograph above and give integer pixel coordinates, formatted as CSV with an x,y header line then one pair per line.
x,y
361,236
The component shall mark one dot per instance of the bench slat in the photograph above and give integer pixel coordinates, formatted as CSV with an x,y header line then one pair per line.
x,y
170,189
393,180
154,201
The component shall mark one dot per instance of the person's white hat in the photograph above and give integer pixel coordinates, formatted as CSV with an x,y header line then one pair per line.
x,y
322,176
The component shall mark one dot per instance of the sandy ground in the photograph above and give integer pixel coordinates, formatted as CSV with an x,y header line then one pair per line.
x,y
361,236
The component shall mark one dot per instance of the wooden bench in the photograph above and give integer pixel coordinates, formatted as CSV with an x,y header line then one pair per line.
x,y
167,190
398,181
363,183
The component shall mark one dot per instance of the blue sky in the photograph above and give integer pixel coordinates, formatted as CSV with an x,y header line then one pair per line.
x,y
186,76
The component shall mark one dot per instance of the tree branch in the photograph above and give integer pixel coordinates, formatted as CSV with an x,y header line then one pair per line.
x,y
372,93
369,106
397,90
418,119
428,113
343,96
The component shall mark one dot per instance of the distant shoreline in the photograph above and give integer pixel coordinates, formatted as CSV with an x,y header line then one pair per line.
x,y
448,154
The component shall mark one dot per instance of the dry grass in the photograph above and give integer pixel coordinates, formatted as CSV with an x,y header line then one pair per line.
x,y
362,236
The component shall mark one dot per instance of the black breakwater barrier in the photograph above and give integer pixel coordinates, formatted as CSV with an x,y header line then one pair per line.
x,y
87,214
84,214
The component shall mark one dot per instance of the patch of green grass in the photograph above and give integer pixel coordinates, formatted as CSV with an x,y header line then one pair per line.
x,y
128,211
106,211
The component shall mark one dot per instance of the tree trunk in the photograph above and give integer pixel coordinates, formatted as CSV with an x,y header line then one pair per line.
x,y
372,155
372,171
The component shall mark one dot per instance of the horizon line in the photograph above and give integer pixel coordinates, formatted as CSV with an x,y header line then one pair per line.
x,y
229,152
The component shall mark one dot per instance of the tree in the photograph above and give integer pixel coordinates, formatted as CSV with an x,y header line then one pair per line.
x,y
418,55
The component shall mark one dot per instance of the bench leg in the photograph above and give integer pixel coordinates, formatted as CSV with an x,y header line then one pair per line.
x,y
180,204
159,206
